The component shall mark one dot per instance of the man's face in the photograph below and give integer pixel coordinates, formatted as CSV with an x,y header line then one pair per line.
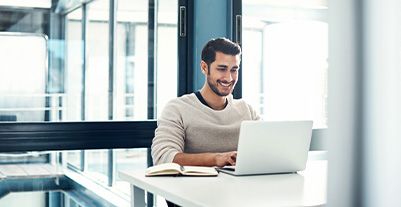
x,y
223,73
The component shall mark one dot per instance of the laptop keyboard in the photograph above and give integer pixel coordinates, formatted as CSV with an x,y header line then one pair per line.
x,y
230,168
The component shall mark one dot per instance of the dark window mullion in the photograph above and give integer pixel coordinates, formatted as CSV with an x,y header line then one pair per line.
x,y
151,58
185,47
235,29
152,21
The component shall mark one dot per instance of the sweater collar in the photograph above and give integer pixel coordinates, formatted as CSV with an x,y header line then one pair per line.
x,y
202,100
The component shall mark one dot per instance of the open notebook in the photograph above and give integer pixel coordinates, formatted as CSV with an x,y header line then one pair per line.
x,y
176,169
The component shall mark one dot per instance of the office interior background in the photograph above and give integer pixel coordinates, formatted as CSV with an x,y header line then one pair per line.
x,y
82,82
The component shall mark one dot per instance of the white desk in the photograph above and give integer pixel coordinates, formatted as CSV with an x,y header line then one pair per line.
x,y
307,188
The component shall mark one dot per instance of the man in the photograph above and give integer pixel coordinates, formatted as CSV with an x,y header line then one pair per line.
x,y
202,128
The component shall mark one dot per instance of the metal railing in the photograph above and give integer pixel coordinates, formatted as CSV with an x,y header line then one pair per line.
x,y
32,107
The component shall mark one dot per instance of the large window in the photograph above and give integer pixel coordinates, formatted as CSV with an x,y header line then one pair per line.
x,y
100,75
23,88
285,50
89,79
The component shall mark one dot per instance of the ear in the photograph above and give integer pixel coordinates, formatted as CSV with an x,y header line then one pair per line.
x,y
204,67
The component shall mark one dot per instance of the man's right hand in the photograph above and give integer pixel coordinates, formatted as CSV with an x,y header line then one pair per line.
x,y
226,158
206,159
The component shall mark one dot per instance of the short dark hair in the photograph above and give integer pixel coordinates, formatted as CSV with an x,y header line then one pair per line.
x,y
221,44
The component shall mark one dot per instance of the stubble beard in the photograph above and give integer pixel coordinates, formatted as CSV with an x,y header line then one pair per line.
x,y
216,90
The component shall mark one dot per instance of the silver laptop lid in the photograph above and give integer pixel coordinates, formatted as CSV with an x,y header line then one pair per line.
x,y
273,147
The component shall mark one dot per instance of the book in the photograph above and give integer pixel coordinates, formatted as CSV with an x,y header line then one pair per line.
x,y
176,169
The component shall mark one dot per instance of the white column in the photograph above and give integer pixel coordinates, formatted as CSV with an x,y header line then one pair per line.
x,y
382,66
364,140
344,102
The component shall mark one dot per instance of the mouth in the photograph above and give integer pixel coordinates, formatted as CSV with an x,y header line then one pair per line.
x,y
225,84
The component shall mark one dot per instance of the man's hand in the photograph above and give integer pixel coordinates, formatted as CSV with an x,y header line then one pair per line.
x,y
206,159
226,158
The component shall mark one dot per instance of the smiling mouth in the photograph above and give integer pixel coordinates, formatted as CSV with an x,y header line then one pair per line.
x,y
225,84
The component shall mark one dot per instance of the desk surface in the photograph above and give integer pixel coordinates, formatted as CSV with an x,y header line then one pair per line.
x,y
306,188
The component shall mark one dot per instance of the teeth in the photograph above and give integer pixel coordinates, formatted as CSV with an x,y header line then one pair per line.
x,y
225,84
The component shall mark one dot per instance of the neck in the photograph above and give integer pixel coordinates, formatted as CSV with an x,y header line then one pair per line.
x,y
213,100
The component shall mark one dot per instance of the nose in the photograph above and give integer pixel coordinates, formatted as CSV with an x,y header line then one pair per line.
x,y
228,76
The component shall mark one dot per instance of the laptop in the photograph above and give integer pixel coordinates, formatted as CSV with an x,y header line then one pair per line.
x,y
266,147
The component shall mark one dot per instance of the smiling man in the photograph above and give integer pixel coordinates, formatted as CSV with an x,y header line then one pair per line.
x,y
202,128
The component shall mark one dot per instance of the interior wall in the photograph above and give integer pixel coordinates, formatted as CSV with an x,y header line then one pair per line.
x,y
210,22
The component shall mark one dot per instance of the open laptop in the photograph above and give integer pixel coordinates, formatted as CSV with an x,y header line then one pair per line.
x,y
266,147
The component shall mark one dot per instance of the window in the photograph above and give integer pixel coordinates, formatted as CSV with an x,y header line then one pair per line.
x,y
88,75
132,57
97,60
73,84
131,74
131,80
96,82
74,76
23,102
285,50
166,52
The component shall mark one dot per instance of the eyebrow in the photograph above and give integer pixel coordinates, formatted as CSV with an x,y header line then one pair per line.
x,y
225,66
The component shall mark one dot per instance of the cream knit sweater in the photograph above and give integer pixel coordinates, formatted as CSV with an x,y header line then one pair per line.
x,y
187,125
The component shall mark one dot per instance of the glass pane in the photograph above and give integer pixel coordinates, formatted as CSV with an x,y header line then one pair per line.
x,y
131,98
23,102
73,66
97,71
131,74
23,74
73,75
285,50
74,158
167,51
128,160
97,82
96,165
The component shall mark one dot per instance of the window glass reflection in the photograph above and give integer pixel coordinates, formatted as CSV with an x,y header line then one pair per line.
x,y
166,53
285,50
74,66
96,86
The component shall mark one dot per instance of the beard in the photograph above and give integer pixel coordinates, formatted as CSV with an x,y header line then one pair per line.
x,y
215,89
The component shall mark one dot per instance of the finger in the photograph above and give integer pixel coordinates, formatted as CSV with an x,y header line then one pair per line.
x,y
234,159
231,161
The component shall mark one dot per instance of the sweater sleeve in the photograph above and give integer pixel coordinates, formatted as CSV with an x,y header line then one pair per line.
x,y
254,114
169,135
